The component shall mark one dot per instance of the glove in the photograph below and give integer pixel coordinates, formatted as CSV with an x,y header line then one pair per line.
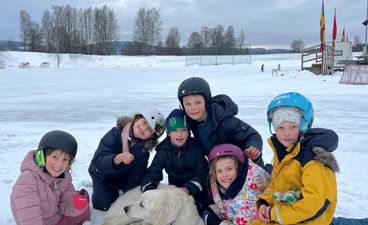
x,y
80,199
210,218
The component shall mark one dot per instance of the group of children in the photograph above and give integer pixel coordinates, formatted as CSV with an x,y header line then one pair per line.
x,y
221,166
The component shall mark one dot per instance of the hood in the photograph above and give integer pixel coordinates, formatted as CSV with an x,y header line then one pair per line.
x,y
123,120
326,158
222,107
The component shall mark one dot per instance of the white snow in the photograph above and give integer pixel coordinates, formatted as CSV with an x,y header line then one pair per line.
x,y
87,93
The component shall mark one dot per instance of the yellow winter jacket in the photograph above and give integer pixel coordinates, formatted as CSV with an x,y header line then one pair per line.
x,y
301,170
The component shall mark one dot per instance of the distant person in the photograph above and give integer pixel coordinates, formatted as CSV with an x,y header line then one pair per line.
x,y
121,158
262,68
213,120
303,187
44,192
182,159
279,68
236,183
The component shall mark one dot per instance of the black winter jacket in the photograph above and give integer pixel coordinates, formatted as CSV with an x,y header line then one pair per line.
x,y
186,166
222,126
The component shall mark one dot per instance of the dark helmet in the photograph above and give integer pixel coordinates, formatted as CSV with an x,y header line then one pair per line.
x,y
58,139
192,86
226,150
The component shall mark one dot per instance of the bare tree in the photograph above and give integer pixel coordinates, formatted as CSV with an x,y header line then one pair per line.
x,y
217,36
229,37
195,40
206,36
241,39
172,42
147,28
25,29
35,39
357,44
297,45
47,31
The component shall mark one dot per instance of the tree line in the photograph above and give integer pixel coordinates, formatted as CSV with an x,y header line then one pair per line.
x,y
66,29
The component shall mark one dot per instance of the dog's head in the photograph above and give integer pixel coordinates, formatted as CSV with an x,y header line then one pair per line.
x,y
158,207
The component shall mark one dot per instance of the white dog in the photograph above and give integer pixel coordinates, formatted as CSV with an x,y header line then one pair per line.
x,y
165,205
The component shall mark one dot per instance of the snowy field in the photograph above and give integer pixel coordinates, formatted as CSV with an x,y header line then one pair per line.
x,y
87,93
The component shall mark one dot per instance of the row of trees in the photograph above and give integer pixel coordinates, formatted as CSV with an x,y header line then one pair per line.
x,y
65,29
68,30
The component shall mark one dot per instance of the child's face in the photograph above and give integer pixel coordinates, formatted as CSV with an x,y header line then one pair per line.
x,y
57,162
142,130
195,107
179,136
287,133
226,172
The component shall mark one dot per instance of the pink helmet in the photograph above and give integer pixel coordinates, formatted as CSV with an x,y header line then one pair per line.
x,y
226,150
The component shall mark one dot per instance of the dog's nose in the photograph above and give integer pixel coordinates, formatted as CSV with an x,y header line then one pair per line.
x,y
126,209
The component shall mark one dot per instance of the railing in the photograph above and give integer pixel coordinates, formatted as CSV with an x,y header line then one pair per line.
x,y
324,61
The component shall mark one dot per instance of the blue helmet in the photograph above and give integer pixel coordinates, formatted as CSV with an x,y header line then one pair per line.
x,y
293,99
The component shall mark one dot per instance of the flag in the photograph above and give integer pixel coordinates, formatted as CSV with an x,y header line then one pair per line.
x,y
343,35
334,30
322,27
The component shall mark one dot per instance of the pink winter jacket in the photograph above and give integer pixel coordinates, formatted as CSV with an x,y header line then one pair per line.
x,y
39,198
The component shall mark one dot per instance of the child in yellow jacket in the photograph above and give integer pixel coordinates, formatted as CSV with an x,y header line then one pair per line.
x,y
303,187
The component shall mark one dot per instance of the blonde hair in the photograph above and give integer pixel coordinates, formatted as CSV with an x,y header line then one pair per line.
x,y
213,177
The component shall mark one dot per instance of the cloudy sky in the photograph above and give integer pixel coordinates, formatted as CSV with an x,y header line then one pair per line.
x,y
267,23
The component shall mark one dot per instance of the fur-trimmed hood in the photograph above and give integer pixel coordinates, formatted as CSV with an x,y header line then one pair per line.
x,y
326,158
123,120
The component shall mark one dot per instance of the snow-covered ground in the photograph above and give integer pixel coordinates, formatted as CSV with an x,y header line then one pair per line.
x,y
87,93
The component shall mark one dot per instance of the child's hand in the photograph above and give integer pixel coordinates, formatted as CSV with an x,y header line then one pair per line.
x,y
264,213
253,153
80,199
127,157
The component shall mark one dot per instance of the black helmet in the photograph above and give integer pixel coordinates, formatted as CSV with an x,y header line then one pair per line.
x,y
58,139
192,86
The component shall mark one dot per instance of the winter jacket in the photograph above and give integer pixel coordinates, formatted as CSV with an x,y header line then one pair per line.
x,y
242,208
122,176
186,166
39,198
311,173
222,127
316,137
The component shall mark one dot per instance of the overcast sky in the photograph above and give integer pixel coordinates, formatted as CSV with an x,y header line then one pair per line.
x,y
267,23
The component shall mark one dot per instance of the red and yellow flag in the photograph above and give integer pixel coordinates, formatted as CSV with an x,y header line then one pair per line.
x,y
322,27
343,35
334,30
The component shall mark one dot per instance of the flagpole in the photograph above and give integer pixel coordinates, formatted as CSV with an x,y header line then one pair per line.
x,y
366,29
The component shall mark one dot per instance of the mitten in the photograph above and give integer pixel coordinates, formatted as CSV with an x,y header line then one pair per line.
x,y
80,199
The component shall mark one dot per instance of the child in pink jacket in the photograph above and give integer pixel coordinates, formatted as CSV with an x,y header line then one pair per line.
x,y
43,193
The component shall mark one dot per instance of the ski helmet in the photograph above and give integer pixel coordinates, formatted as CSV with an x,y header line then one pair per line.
x,y
226,150
156,121
58,139
192,86
293,99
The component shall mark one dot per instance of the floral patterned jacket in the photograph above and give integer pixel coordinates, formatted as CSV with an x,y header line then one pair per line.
x,y
242,209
